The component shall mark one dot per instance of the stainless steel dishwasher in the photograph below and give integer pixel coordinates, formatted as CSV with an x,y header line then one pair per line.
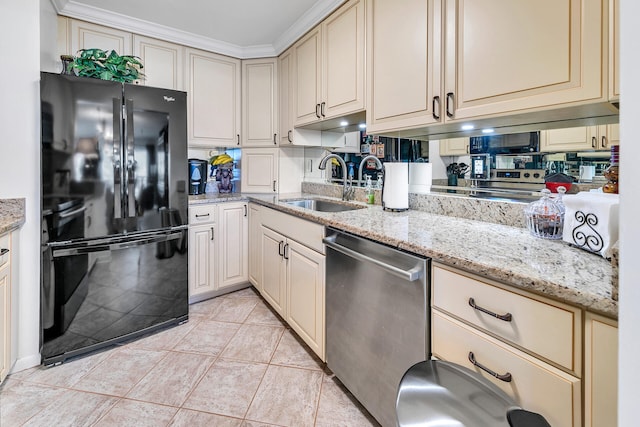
x,y
377,318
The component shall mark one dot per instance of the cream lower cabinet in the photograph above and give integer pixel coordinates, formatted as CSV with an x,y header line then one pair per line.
x,y
601,371
255,253
534,344
5,306
292,273
218,261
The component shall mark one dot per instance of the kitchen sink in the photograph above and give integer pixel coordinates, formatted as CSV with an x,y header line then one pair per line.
x,y
322,205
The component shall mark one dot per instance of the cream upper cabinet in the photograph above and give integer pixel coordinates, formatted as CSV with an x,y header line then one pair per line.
x,y
580,138
163,62
260,102
328,70
601,371
403,57
259,170
233,220
285,100
614,50
454,147
84,35
213,86
498,59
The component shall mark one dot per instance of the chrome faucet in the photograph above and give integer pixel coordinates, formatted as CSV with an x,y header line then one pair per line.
x,y
363,161
347,187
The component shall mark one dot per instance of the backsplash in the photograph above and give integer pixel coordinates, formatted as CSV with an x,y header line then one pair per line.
x,y
493,211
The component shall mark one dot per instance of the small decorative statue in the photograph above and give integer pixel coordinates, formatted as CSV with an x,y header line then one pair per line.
x,y
224,175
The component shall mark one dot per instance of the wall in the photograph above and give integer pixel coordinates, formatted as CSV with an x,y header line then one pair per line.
x,y
20,159
629,315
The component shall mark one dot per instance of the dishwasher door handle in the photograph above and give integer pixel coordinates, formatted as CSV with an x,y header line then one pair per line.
x,y
411,275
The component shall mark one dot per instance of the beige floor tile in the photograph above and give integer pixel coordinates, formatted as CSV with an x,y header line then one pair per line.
x,y
254,343
122,370
187,418
24,374
139,414
166,339
208,337
234,309
286,396
69,373
256,424
291,351
337,409
73,409
227,388
249,292
23,400
170,381
263,315
206,307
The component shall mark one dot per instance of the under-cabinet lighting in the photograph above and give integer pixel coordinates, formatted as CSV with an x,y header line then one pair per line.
x,y
344,123
363,125
467,127
488,130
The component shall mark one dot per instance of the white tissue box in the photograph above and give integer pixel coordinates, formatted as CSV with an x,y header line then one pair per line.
x,y
591,221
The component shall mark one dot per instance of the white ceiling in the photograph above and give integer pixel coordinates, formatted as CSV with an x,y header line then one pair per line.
x,y
240,28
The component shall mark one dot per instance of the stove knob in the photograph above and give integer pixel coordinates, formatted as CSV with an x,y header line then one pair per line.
x,y
536,175
527,175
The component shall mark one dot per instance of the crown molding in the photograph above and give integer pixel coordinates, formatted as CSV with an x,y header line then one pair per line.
x,y
99,16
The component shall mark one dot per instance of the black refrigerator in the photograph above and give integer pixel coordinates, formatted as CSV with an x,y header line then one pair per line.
x,y
114,213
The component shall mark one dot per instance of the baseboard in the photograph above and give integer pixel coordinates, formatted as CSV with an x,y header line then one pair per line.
x,y
26,363
212,294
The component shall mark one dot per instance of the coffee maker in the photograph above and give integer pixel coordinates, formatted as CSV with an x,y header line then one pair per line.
x,y
197,176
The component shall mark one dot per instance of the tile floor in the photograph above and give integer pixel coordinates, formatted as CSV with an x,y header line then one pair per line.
x,y
235,363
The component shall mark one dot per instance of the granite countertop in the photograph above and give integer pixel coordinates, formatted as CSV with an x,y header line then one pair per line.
x,y
12,214
499,252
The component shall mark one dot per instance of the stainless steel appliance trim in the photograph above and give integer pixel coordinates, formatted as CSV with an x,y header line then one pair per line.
x,y
72,213
411,275
101,247
117,158
130,171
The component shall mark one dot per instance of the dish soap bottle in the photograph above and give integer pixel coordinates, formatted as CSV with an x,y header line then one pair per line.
x,y
369,191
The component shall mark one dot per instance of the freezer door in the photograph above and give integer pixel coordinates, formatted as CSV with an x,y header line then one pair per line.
x,y
155,158
133,289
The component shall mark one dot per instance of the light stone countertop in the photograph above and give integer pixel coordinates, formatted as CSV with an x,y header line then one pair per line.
x,y
499,252
12,214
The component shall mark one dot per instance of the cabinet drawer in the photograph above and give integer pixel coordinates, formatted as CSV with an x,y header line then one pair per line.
x,y
535,385
201,214
302,231
539,327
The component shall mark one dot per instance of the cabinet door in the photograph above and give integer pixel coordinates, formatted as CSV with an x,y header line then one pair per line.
x,y
274,285
91,36
232,244
214,99
202,258
403,55
163,62
454,147
259,170
570,139
614,50
305,294
307,81
343,61
601,371
5,322
255,247
498,60
259,103
609,135
285,100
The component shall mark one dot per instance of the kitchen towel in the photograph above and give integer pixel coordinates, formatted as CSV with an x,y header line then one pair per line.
x,y
420,175
591,221
395,189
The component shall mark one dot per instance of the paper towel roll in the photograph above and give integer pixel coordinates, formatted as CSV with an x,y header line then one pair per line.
x,y
395,192
420,175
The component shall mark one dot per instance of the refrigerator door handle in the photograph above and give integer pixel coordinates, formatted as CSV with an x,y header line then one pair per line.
x,y
130,172
117,158
105,246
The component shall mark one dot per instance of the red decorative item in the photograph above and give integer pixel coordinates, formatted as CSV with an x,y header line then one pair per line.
x,y
553,186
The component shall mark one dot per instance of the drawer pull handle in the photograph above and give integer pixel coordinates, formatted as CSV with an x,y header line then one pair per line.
x,y
506,317
201,216
502,377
